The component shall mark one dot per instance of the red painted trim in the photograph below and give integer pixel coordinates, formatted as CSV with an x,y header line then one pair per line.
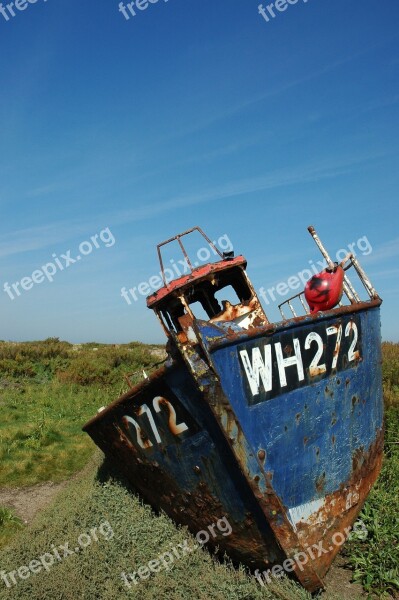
x,y
196,275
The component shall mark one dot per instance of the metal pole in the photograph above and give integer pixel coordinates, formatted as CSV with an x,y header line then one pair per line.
x,y
365,280
303,304
346,285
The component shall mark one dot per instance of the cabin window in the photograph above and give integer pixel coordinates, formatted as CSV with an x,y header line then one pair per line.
x,y
232,286
206,297
174,311
199,311
168,320
227,293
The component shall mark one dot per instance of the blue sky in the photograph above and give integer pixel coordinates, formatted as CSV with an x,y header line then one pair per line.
x,y
191,113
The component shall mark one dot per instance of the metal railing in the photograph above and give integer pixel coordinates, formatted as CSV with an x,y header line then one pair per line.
x,y
348,289
178,239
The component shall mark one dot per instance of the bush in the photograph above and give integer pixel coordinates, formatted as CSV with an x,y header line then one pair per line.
x,y
85,365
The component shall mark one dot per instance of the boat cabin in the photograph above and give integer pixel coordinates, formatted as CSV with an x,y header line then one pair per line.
x,y
220,293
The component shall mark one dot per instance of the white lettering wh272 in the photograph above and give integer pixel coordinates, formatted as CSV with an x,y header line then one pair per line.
x,y
295,361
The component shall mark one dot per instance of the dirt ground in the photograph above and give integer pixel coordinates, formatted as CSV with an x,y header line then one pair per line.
x,y
338,582
28,501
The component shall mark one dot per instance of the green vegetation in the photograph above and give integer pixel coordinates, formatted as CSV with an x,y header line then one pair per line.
x,y
47,390
390,374
9,524
139,536
376,559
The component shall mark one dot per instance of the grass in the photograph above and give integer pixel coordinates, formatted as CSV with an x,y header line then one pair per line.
x,y
47,390
376,559
139,537
9,525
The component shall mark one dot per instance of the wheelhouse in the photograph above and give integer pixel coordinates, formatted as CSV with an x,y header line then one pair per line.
x,y
220,293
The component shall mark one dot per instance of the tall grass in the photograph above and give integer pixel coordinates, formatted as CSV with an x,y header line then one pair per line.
x,y
48,390
376,559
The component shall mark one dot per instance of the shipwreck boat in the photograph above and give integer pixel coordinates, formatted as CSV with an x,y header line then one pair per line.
x,y
276,426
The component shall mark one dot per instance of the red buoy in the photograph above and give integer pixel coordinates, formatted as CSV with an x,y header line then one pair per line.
x,y
324,290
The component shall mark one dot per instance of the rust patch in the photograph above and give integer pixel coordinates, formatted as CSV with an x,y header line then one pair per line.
x,y
358,459
335,518
233,311
262,455
142,435
320,482
329,392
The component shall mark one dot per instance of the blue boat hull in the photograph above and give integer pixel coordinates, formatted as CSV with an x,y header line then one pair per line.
x,y
318,445
279,430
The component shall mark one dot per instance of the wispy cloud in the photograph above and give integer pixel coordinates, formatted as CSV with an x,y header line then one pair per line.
x,y
272,92
384,252
283,177
386,273
46,235
36,238
49,188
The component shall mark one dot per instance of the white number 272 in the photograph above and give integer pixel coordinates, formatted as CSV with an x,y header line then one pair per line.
x,y
157,403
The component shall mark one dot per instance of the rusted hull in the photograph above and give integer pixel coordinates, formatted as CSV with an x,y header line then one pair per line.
x,y
279,430
190,473
319,444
